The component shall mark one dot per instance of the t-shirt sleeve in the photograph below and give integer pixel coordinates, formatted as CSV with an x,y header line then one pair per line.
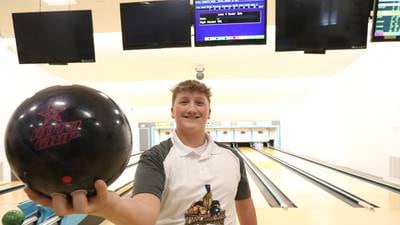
x,y
243,190
150,174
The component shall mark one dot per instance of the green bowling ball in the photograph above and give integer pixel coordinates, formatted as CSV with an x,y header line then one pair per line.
x,y
13,217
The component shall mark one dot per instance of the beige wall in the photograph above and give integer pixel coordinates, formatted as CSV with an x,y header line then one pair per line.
x,y
352,119
17,82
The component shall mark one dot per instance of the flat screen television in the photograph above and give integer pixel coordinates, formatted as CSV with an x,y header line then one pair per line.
x,y
319,25
229,22
386,23
57,37
156,24
371,6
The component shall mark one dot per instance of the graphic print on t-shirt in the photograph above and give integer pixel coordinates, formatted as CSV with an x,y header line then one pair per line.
x,y
205,211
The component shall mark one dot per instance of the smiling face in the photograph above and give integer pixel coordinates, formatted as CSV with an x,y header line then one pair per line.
x,y
191,110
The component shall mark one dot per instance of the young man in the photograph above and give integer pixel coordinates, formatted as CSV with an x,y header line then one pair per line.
x,y
183,180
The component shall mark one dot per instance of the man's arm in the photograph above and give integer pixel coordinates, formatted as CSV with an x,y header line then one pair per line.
x,y
246,212
142,209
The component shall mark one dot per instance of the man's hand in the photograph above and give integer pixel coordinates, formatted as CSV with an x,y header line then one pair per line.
x,y
80,204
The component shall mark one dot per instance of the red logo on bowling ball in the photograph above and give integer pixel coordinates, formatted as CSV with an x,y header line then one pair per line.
x,y
54,130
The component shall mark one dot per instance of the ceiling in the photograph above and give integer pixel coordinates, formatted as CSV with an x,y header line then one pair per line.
x,y
228,63
223,62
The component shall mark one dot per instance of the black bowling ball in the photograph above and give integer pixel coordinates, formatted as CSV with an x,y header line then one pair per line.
x,y
64,138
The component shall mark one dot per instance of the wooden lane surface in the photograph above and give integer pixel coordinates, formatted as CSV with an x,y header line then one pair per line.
x,y
9,184
10,200
303,193
337,216
372,193
325,215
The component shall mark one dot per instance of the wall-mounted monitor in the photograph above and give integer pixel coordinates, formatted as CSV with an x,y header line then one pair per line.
x,y
319,25
229,22
57,37
156,24
386,24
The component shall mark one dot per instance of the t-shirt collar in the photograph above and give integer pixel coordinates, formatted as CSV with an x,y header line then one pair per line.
x,y
184,150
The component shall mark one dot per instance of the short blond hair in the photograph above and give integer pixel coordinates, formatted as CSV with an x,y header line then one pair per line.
x,y
191,86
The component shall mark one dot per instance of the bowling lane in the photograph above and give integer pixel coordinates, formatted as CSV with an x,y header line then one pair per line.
x,y
376,195
10,200
258,198
9,184
303,193
126,177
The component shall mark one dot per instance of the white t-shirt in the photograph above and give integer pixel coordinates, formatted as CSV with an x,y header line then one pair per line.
x,y
177,174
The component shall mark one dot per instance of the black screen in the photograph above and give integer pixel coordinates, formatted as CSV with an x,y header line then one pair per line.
x,y
54,37
386,24
156,24
321,24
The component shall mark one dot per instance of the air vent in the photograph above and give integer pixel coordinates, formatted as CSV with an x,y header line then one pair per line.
x,y
394,167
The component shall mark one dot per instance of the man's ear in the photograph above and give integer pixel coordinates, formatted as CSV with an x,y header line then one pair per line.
x,y
209,113
172,113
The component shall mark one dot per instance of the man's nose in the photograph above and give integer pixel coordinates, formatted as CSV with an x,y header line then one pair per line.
x,y
191,106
